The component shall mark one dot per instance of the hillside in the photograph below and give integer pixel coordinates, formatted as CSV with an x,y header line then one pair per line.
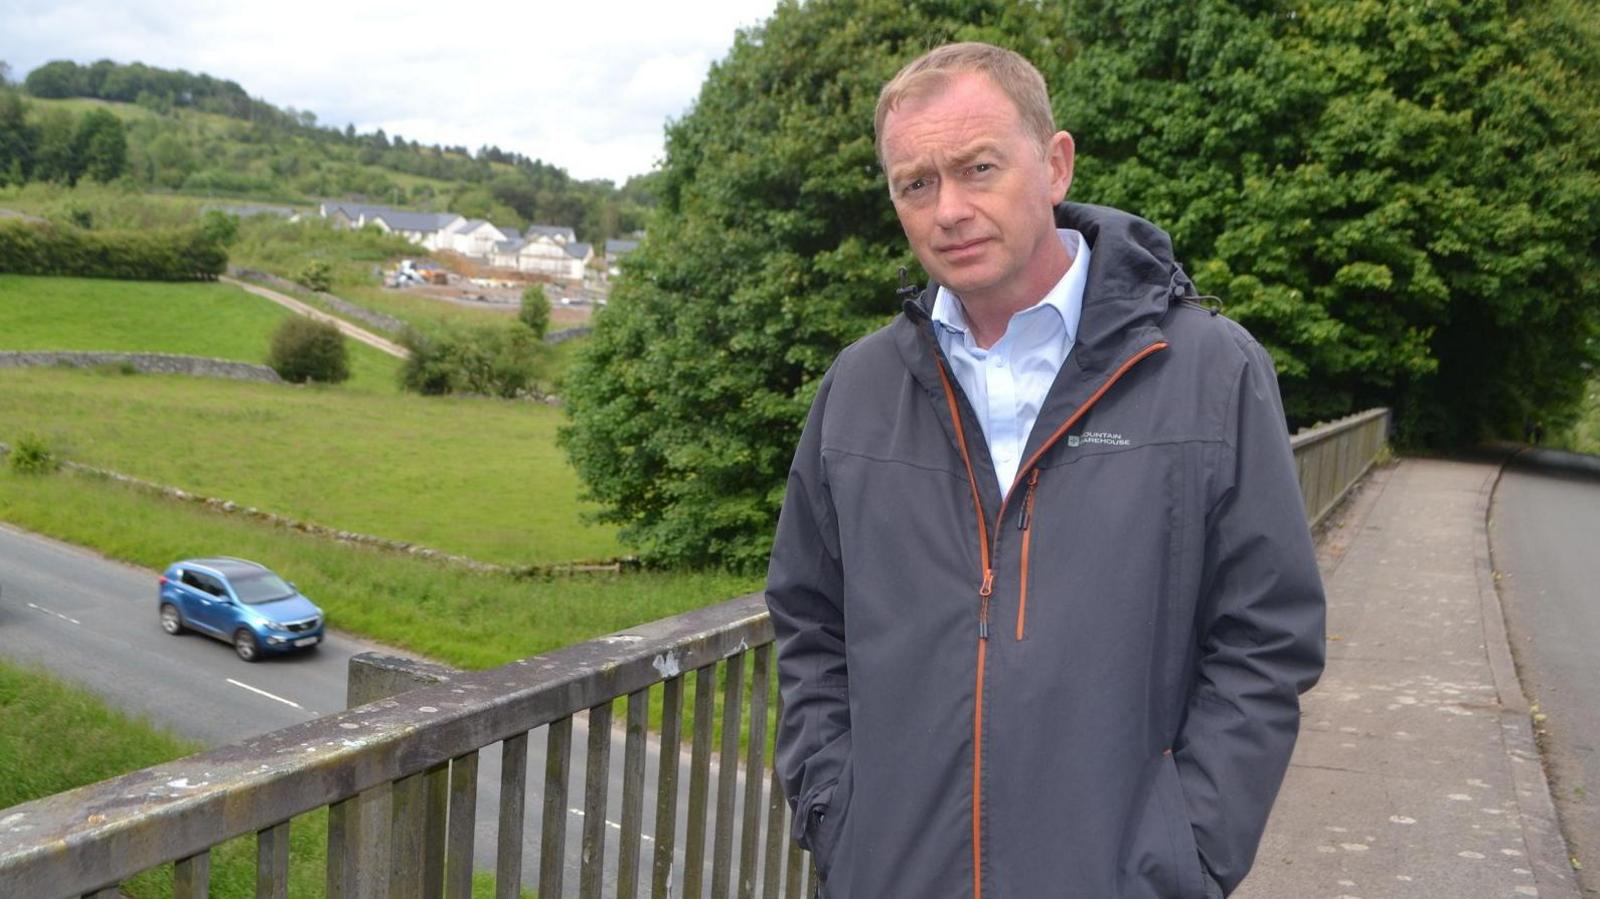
x,y
194,135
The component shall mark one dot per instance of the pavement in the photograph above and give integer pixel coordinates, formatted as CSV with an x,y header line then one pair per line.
x,y
1416,775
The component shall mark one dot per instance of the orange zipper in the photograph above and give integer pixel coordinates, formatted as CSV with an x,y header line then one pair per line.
x,y
986,589
1027,538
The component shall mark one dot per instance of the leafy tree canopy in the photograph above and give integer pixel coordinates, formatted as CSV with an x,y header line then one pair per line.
x,y
1401,201
1398,199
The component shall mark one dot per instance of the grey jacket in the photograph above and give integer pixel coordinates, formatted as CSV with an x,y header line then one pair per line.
x,y
1089,689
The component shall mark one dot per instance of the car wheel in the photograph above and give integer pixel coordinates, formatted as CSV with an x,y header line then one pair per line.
x,y
244,643
171,619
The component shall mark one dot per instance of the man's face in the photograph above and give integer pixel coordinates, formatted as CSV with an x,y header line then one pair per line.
x,y
974,191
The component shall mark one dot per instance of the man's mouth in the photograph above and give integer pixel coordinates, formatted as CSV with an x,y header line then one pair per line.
x,y
957,249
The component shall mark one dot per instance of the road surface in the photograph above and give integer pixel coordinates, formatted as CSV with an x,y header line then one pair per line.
x,y
1545,534
92,621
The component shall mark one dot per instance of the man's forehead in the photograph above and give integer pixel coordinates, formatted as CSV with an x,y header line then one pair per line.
x,y
964,115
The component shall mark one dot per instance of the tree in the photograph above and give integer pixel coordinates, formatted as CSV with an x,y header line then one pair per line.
x,y
55,156
1399,200
305,349
101,146
55,80
774,246
535,310
16,138
488,360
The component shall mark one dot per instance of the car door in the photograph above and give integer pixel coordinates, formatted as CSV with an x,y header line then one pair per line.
x,y
209,606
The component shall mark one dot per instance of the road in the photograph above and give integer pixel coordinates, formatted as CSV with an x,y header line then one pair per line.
x,y
92,621
1545,534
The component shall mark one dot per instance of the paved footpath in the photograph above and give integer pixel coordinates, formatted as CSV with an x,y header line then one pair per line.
x,y
1416,775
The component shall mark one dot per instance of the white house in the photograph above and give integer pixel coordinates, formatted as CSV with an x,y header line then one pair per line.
x,y
552,250
477,238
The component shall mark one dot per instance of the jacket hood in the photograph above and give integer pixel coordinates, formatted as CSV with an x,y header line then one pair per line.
x,y
1133,281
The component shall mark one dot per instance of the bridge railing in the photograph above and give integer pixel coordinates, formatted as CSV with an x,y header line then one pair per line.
x,y
398,772
1333,456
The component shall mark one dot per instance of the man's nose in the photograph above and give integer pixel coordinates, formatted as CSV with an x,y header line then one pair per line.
x,y
954,206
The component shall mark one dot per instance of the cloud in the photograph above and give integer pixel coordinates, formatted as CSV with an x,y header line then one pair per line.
x,y
586,88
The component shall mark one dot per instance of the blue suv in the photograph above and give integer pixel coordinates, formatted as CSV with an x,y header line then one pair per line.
x,y
240,602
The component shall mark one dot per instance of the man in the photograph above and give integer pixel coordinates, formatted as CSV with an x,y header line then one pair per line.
x,y
1043,589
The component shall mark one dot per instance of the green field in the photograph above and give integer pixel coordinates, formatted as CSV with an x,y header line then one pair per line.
x,y
462,618
473,476
215,320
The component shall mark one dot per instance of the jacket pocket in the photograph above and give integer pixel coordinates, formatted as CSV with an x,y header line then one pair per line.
x,y
828,823
1188,872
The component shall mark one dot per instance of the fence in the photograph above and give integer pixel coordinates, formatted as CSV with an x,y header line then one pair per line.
x,y
399,771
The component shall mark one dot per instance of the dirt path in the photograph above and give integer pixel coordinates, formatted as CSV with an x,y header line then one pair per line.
x,y
288,302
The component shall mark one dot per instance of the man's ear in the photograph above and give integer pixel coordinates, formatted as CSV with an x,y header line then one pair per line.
x,y
1059,155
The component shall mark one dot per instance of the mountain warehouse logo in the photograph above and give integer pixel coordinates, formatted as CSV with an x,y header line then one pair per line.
x,y
1102,438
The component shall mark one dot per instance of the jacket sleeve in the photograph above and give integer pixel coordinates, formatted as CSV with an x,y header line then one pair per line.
x,y
805,596
1261,623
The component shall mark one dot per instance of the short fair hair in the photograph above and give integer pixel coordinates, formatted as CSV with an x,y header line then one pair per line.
x,y
932,72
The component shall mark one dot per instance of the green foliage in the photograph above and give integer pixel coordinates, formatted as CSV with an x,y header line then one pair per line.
x,y
535,310
774,246
306,349
176,254
486,360
32,455
1401,201
100,146
207,136
315,275
218,226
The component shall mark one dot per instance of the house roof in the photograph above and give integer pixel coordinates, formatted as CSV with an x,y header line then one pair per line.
x,y
415,221
508,246
620,247
579,250
558,232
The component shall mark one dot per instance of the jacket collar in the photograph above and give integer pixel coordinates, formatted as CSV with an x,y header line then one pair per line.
x,y
1133,281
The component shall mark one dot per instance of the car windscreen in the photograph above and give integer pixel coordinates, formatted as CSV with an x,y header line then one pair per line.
x,y
264,587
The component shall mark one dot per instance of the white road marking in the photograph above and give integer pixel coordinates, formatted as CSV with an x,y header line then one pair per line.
x,y
55,613
289,702
612,824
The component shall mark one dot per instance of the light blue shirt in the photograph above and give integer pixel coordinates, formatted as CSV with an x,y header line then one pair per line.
x,y
1007,382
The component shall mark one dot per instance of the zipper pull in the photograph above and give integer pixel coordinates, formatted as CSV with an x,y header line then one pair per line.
x,y
984,593
1026,515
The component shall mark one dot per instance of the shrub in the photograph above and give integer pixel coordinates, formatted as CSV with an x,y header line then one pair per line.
x,y
490,360
32,455
305,349
535,311
316,275
156,254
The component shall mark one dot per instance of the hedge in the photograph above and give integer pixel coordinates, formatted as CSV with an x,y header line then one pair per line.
x,y
156,254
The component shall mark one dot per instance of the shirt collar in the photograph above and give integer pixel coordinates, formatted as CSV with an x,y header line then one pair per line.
x,y
1066,297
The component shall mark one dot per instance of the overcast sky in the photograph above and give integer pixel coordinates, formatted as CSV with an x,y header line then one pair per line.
x,y
585,86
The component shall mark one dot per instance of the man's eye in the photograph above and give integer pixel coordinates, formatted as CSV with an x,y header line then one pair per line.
x,y
982,167
915,185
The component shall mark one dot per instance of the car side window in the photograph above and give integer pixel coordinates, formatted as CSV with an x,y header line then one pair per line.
x,y
205,583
